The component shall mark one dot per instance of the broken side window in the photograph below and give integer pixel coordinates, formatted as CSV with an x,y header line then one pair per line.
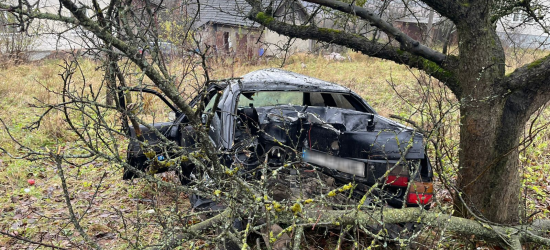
x,y
315,99
271,98
298,98
342,102
211,103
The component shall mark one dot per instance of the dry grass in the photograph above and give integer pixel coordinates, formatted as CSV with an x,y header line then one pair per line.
x,y
24,86
516,57
41,211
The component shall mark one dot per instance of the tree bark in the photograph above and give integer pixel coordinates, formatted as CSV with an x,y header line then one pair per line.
x,y
110,78
488,177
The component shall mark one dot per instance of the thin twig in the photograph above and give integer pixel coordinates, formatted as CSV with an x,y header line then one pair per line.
x,y
17,237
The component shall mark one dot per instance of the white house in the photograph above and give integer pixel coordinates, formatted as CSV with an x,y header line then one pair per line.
x,y
47,36
521,30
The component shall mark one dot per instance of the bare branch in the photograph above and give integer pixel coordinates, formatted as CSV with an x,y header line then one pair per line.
x,y
444,70
407,43
532,80
17,237
67,197
448,8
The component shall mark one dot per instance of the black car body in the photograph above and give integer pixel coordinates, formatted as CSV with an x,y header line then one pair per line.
x,y
276,117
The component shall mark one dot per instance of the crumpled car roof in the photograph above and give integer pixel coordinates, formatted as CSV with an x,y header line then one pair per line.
x,y
281,80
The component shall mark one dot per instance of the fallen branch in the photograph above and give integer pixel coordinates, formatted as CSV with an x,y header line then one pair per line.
x,y
512,236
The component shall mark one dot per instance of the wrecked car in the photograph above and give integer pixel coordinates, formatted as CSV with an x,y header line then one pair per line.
x,y
275,117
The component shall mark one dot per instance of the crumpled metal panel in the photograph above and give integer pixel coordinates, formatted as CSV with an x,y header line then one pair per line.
x,y
389,140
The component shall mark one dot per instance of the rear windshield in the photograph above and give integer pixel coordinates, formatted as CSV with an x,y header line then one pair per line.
x,y
295,98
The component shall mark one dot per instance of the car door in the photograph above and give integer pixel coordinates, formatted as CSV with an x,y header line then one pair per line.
x,y
177,130
152,107
210,115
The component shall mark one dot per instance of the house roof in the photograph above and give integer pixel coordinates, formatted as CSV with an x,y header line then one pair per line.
x,y
229,12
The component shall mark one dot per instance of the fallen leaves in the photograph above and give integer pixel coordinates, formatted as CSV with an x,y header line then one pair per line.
x,y
42,214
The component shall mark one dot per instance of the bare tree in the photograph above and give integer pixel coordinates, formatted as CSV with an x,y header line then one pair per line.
x,y
494,108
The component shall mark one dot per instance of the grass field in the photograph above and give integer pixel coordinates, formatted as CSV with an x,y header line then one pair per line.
x,y
39,211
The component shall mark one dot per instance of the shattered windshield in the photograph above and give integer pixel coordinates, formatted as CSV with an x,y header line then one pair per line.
x,y
297,98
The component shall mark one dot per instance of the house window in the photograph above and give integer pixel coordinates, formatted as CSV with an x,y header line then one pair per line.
x,y
226,41
516,17
522,17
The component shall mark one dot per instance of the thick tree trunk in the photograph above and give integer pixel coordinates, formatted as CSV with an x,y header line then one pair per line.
x,y
488,178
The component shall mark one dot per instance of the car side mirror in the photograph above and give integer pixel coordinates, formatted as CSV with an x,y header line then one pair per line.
x,y
204,118
370,123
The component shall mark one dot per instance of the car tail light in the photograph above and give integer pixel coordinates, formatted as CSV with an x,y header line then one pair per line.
x,y
421,199
420,193
397,181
